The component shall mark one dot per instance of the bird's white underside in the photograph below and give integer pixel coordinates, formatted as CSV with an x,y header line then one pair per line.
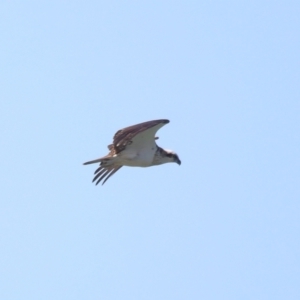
x,y
140,158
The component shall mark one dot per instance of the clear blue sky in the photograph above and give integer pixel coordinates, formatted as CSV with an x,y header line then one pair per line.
x,y
223,225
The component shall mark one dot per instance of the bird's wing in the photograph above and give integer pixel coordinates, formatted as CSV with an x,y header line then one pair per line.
x,y
139,136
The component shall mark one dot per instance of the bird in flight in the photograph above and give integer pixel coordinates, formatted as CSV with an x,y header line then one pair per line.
x,y
134,146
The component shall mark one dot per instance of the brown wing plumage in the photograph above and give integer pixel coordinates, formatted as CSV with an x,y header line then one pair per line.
x,y
124,136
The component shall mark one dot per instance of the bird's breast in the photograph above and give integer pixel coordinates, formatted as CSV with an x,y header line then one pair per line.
x,y
141,158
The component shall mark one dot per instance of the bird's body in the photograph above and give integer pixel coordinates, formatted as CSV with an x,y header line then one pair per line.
x,y
134,146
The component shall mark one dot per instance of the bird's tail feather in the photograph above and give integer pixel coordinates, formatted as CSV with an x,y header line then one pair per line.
x,y
105,161
93,161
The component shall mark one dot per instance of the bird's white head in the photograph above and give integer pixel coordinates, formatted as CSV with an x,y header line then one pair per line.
x,y
171,156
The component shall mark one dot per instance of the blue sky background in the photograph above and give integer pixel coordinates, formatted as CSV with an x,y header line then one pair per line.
x,y
223,225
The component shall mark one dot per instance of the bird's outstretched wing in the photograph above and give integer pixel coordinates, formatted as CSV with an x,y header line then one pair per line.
x,y
137,136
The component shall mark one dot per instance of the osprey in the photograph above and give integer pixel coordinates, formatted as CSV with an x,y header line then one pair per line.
x,y
134,146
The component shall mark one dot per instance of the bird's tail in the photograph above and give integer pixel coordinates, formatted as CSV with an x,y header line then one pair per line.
x,y
104,161
98,160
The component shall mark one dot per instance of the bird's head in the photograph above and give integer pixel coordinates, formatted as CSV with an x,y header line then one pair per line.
x,y
172,157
